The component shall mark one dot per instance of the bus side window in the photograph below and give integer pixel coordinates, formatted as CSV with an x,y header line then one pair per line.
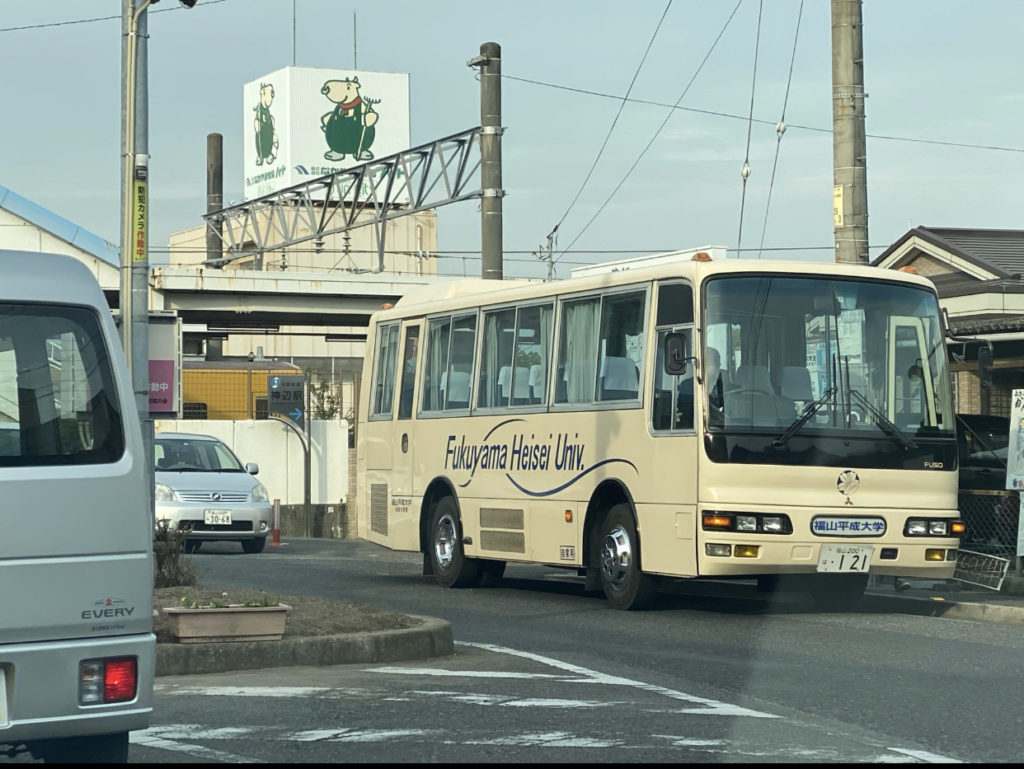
x,y
410,348
672,401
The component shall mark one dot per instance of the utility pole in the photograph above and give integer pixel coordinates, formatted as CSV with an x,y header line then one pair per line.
x,y
491,192
849,147
134,289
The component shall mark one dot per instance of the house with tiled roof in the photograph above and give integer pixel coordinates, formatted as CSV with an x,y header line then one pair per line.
x,y
979,276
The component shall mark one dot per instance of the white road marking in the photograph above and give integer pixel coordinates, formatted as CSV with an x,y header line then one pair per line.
x,y
353,735
924,755
442,672
249,691
711,707
548,740
165,738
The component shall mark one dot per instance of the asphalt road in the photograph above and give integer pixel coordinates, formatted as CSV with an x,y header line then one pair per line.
x,y
544,672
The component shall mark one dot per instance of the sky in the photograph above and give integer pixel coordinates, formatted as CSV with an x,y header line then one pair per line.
x,y
943,114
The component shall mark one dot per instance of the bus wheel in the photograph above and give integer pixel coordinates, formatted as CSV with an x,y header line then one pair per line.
x,y
837,592
625,586
450,565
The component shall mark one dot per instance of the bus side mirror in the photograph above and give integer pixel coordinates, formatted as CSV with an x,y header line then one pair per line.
x,y
985,366
675,353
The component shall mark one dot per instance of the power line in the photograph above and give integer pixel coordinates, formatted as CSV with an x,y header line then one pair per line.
x,y
745,173
780,129
716,113
98,18
615,120
657,132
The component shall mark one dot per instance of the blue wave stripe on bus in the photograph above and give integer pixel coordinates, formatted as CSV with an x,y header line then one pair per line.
x,y
570,482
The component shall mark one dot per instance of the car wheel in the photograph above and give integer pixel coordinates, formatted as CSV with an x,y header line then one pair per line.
x,y
449,563
254,545
625,585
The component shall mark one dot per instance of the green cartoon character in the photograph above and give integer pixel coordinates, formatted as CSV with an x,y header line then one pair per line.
x,y
263,125
349,127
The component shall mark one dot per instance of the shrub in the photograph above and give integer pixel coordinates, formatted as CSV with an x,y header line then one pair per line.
x,y
172,567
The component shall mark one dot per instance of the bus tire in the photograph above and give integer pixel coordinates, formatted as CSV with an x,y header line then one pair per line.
x,y
625,585
837,592
448,561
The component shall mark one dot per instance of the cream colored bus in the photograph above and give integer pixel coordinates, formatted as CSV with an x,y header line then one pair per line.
x,y
676,416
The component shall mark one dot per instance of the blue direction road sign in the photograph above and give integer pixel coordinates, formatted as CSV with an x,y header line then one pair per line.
x,y
286,396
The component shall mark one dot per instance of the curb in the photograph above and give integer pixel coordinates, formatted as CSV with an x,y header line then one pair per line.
x,y
951,609
432,638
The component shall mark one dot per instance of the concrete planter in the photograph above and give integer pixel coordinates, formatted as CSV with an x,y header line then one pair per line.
x,y
230,623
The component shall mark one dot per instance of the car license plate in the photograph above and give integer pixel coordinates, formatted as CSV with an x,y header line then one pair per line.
x,y
218,517
846,558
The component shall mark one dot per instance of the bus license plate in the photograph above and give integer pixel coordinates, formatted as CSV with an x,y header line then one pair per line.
x,y
218,517
846,558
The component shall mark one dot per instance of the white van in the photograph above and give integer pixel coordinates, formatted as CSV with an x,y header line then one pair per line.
x,y
77,649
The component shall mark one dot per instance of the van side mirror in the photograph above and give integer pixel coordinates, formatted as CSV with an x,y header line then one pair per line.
x,y
675,353
985,365
252,468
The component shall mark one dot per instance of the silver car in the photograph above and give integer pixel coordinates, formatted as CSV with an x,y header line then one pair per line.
x,y
201,486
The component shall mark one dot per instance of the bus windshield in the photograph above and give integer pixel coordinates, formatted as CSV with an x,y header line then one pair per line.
x,y
807,360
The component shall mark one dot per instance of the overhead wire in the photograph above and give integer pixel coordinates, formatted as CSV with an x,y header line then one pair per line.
x,y
745,172
615,120
780,129
98,18
656,133
717,113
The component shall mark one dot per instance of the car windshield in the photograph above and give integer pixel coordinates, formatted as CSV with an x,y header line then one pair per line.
x,y
187,455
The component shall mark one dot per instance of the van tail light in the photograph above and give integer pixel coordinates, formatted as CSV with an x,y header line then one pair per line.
x,y
114,679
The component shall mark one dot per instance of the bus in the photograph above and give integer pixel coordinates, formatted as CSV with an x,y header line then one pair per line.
x,y
77,649
683,415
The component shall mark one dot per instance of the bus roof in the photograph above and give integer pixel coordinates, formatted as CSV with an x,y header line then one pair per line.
x,y
674,264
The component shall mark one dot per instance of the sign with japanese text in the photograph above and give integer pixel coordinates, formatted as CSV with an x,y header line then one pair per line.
x,y
140,204
286,396
161,386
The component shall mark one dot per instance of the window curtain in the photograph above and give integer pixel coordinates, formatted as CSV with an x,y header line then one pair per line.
x,y
580,351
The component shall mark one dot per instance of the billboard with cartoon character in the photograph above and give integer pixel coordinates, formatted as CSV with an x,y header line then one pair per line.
x,y
305,122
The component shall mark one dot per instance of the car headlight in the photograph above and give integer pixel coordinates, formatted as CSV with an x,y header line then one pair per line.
x,y
259,493
163,493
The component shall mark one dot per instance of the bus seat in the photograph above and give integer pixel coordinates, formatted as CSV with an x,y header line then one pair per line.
x,y
537,382
621,379
796,383
458,390
754,377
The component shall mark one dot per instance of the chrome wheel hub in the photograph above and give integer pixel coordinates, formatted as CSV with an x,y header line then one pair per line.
x,y
616,557
444,541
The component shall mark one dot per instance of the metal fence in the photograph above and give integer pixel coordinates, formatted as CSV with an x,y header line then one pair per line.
x,y
991,518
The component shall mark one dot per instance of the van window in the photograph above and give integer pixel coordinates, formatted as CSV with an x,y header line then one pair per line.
x,y
57,397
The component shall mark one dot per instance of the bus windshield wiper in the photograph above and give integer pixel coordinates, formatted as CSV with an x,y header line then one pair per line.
x,y
809,411
883,421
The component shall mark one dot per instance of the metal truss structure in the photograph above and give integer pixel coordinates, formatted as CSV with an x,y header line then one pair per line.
x,y
417,179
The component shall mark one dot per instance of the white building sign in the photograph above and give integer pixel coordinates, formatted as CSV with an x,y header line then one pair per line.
x,y
305,122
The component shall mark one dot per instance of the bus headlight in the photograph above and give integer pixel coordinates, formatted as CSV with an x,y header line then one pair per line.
x,y
773,524
933,527
746,523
